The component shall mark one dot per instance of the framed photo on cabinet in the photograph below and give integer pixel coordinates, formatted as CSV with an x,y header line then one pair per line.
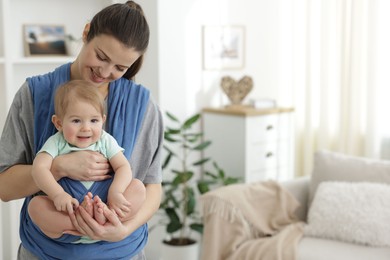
x,y
223,47
44,39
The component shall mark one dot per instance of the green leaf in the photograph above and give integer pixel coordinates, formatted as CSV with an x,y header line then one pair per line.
x,y
198,227
168,138
173,227
172,215
191,202
231,180
202,146
203,187
193,137
172,117
182,177
189,122
167,160
172,131
213,176
200,162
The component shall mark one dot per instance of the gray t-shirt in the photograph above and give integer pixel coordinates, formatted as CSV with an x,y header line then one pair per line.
x,y
17,140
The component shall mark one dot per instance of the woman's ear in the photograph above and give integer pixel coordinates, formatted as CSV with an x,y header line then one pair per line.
x,y
86,31
57,122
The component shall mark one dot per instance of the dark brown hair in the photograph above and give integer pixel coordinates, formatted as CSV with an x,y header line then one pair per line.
x,y
77,90
127,23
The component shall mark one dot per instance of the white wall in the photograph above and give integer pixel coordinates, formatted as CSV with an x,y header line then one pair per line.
x,y
184,87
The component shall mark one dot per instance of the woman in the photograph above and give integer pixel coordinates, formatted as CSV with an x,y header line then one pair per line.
x,y
114,43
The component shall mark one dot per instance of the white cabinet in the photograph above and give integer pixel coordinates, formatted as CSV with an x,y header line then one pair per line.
x,y
14,66
249,143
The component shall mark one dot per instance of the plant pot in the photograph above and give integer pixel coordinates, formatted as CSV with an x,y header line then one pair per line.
x,y
180,252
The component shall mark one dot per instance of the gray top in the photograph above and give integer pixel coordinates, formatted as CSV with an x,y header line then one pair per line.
x,y
17,140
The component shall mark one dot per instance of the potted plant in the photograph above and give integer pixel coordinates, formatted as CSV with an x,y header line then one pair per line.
x,y
179,200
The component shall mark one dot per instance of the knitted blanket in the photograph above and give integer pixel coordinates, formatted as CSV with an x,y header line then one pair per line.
x,y
249,222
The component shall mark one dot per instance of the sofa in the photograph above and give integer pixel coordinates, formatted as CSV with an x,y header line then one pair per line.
x,y
344,208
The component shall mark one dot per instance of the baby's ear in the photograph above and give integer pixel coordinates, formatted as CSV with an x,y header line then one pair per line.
x,y
57,122
104,118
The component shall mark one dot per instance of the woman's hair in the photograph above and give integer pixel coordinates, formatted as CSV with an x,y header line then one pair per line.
x,y
77,90
127,23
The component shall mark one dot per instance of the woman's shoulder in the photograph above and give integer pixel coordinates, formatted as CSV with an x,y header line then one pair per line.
x,y
23,96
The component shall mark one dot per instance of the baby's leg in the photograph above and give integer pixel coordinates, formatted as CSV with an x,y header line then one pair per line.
x,y
136,195
44,214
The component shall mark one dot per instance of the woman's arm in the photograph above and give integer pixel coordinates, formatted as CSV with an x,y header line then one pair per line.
x,y
16,182
114,230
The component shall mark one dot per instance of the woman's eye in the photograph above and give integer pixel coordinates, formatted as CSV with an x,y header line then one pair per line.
x,y
120,69
100,57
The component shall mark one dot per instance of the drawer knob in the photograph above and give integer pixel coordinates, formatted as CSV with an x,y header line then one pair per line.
x,y
269,154
270,127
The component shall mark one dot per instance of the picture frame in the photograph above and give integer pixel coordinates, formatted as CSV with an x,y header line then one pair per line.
x,y
44,40
223,47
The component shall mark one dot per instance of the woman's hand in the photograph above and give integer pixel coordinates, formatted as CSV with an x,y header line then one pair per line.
x,y
82,166
113,230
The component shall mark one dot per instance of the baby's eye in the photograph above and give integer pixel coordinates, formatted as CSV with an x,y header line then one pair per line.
x,y
76,121
95,121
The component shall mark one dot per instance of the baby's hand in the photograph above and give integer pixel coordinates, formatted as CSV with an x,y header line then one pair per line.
x,y
118,203
64,202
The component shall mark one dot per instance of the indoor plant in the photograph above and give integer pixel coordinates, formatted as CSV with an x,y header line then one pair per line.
x,y
183,146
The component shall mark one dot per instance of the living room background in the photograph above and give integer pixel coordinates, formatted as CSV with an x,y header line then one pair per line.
x,y
328,59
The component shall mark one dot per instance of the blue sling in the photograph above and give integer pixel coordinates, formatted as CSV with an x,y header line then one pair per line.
x,y
127,104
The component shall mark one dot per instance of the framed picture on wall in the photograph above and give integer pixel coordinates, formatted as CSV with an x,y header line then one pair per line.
x,y
223,47
44,39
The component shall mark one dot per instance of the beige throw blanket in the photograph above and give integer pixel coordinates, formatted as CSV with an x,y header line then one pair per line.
x,y
250,222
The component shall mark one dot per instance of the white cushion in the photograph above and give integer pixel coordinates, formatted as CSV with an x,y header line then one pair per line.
x,y
331,166
351,212
310,248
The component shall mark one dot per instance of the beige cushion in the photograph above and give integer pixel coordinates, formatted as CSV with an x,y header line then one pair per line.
x,y
331,166
355,212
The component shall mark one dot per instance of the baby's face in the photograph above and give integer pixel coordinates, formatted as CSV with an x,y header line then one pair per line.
x,y
82,124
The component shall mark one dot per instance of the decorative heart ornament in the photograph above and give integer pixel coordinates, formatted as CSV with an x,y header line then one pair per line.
x,y
236,91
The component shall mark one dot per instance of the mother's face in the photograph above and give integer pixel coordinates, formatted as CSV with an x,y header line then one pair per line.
x,y
102,60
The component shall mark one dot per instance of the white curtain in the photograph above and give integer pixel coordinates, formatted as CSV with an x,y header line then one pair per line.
x,y
337,61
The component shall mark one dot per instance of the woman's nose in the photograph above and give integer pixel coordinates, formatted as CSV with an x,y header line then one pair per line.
x,y
105,71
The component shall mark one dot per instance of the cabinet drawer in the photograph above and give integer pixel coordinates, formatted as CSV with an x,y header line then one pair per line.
x,y
262,156
263,128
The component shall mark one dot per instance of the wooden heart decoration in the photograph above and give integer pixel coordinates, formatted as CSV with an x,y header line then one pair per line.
x,y
236,91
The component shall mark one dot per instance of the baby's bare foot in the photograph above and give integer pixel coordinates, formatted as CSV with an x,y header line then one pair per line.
x,y
98,210
87,204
